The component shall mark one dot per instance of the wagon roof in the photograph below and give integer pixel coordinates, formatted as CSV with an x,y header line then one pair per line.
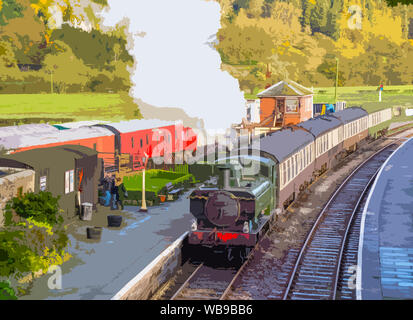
x,y
283,143
136,125
26,129
320,125
285,88
78,124
350,114
42,138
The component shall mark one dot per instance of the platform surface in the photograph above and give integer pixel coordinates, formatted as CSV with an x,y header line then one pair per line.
x,y
385,264
98,270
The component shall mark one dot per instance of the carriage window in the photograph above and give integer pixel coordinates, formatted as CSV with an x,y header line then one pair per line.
x,y
305,156
289,170
296,164
281,175
311,152
133,142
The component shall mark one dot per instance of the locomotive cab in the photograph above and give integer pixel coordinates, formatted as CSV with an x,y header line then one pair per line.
x,y
234,209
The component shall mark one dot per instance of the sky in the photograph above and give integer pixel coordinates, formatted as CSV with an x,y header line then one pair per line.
x,y
175,65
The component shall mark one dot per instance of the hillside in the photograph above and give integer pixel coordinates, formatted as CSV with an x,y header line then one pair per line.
x,y
58,46
264,41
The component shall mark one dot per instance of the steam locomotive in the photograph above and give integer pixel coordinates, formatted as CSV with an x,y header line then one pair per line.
x,y
235,209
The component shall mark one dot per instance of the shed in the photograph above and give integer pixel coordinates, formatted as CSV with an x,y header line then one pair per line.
x,y
61,170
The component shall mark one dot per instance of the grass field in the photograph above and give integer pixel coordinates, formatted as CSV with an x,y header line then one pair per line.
x,y
367,97
155,180
55,108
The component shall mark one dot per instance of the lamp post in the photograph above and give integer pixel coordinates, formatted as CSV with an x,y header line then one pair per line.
x,y
335,93
143,207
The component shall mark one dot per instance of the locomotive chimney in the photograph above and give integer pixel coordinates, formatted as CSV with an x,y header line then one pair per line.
x,y
226,171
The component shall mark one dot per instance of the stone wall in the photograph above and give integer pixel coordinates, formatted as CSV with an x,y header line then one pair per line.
x,y
10,184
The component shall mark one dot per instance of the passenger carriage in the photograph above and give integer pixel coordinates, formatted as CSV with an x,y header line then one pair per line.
x,y
328,135
355,126
293,149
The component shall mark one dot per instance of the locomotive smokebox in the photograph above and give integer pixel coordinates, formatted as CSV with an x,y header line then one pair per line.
x,y
222,209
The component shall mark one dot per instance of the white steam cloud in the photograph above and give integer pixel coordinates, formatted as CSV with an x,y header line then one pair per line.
x,y
176,67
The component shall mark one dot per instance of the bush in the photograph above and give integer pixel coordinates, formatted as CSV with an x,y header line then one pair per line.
x,y
41,207
6,291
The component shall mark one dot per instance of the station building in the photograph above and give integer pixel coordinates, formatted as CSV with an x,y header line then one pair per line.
x,y
285,103
70,171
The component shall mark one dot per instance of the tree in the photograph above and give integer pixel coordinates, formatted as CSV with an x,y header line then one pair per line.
x,y
394,3
9,9
95,48
318,17
244,45
66,68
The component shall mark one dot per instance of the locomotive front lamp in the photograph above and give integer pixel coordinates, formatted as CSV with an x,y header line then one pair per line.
x,y
246,228
194,225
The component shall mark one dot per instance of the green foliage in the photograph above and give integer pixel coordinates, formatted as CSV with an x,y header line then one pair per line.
x,y
33,238
394,3
10,9
239,4
329,69
6,291
262,42
247,45
96,49
101,2
73,59
318,17
42,207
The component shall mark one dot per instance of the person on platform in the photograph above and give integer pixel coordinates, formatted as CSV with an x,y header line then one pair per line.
x,y
118,192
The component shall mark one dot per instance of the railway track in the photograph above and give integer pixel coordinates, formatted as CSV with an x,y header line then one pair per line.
x,y
316,272
206,283
346,284
209,283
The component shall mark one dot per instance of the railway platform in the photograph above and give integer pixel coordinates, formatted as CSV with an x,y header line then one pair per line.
x,y
99,269
385,261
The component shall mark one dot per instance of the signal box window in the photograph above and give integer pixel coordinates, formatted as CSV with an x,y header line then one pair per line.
x,y
291,105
